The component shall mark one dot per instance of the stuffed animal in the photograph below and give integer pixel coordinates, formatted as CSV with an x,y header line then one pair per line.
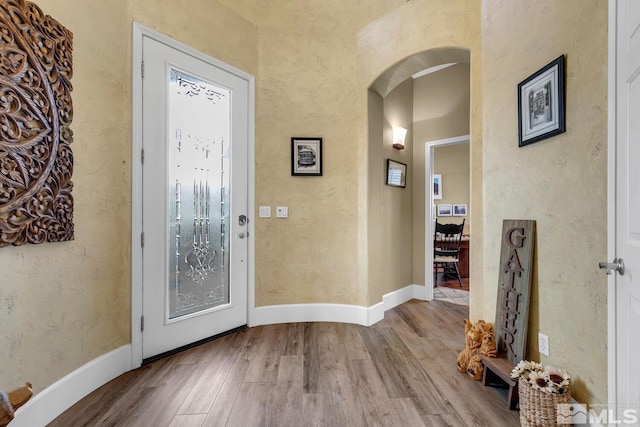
x,y
6,409
472,345
489,347
10,402
479,339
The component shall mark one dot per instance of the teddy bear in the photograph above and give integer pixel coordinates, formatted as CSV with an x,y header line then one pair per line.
x,y
10,402
473,341
479,339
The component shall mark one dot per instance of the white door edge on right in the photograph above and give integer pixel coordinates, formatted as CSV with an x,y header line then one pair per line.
x,y
624,210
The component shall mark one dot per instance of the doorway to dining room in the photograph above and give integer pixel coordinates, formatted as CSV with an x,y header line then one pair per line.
x,y
447,202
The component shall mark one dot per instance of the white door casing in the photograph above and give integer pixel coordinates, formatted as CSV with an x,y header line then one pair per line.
x,y
163,55
624,205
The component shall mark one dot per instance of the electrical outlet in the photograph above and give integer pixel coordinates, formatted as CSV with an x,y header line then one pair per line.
x,y
543,343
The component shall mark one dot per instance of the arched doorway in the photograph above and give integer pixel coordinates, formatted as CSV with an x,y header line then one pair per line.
x,y
385,203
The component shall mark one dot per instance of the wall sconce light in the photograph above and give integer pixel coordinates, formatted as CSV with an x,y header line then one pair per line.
x,y
398,138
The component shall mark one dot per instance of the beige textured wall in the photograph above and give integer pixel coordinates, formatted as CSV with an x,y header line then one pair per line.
x,y
316,62
376,192
205,25
393,254
441,109
559,182
64,304
306,86
389,208
309,257
452,162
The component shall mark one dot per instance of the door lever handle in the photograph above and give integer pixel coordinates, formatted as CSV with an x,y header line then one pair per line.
x,y
616,265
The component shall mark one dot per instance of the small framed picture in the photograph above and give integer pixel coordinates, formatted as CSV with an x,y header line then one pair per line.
x,y
541,104
460,210
437,186
444,209
306,156
396,173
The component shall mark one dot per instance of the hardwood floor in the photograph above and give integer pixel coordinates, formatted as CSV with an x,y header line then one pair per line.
x,y
453,283
399,372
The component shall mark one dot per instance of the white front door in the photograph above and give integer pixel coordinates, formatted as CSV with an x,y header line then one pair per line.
x,y
194,198
627,136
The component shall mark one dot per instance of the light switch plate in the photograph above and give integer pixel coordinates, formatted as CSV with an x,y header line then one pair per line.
x,y
282,212
265,211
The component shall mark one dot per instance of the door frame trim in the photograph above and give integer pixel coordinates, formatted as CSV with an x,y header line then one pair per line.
x,y
429,148
612,382
139,32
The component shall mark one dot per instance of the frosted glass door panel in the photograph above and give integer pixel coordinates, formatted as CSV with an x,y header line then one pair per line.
x,y
199,135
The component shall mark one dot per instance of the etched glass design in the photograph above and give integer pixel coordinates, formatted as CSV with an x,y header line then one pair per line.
x,y
199,133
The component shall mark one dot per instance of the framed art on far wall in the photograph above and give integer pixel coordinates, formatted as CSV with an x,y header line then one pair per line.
x,y
396,173
460,210
444,209
541,104
437,186
306,156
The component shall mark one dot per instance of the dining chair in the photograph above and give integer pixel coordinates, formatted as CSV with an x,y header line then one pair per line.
x,y
446,250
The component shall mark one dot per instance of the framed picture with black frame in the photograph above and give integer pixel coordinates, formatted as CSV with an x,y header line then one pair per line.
x,y
396,173
306,156
541,103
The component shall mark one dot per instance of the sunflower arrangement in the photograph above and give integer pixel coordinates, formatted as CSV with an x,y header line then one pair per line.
x,y
540,377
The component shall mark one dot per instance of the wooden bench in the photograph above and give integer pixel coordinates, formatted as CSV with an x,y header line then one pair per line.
x,y
499,367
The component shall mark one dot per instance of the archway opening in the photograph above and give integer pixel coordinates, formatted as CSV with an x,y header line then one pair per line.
x,y
399,219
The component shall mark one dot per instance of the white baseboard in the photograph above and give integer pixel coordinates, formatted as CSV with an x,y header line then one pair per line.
x,y
343,313
46,405
394,299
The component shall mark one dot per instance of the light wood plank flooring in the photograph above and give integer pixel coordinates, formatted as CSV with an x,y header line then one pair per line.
x,y
399,372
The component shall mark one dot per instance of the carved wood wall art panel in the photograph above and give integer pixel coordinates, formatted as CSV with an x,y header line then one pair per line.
x,y
36,161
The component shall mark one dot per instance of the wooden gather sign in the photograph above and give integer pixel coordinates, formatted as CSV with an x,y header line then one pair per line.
x,y
516,271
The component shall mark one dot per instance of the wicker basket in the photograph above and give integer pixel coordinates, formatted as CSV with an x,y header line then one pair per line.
x,y
538,408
